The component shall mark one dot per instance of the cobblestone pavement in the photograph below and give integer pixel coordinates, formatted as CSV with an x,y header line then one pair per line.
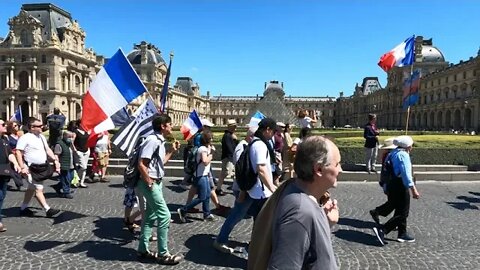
x,y
89,234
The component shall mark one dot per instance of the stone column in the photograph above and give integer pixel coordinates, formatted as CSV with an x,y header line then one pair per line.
x,y
12,77
34,106
70,85
7,77
29,80
12,106
29,100
34,77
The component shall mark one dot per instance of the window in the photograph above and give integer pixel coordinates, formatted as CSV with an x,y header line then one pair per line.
x,y
24,38
24,58
446,79
455,77
4,58
464,75
44,58
43,81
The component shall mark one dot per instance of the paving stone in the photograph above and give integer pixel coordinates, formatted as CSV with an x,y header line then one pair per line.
x,y
89,233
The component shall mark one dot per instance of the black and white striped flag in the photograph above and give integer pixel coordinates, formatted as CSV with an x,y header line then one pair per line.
x,y
141,126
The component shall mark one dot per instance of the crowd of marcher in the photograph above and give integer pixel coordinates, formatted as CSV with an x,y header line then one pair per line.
x,y
285,189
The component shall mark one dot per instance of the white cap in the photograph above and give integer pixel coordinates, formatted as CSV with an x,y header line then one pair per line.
x,y
403,141
280,124
206,122
231,122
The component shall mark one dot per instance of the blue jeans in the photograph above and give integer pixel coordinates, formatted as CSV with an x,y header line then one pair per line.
x,y
65,178
203,190
3,193
238,212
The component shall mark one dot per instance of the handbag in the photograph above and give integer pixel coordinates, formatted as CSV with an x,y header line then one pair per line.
x,y
41,172
5,170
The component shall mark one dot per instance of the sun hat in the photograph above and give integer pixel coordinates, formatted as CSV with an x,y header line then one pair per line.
x,y
403,141
388,144
206,122
231,122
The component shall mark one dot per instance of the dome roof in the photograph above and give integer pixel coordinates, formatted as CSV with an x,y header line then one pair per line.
x,y
432,54
274,87
153,54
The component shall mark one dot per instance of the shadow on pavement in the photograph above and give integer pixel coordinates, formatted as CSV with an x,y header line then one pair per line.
x,y
175,188
469,199
356,223
474,193
65,216
201,251
357,236
462,205
33,246
116,185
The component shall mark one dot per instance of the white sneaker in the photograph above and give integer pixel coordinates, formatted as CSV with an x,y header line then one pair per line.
x,y
209,218
222,247
182,215
184,186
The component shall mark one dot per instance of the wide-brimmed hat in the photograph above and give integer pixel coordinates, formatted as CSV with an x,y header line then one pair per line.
x,y
206,122
388,144
231,122
403,141
280,124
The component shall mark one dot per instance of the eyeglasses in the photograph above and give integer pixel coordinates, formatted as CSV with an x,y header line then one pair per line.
x,y
39,126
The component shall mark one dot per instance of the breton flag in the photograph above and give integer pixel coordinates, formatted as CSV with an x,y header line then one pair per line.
x,y
141,126
402,55
256,118
410,89
163,98
191,125
17,116
115,85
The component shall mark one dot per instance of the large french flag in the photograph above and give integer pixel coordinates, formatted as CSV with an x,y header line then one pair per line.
x,y
115,85
402,55
191,125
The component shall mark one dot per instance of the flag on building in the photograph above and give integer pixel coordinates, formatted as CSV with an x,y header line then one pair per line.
x,y
402,55
256,118
410,89
163,98
115,85
17,116
191,125
141,126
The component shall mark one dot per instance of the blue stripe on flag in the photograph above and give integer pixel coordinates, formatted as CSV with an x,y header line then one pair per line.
x,y
409,51
124,77
196,119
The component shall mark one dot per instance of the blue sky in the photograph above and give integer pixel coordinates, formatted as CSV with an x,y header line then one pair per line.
x,y
317,48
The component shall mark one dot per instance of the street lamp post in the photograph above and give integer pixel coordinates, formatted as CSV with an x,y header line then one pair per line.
x,y
465,104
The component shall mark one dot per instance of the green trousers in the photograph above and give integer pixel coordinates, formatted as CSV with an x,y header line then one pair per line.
x,y
157,210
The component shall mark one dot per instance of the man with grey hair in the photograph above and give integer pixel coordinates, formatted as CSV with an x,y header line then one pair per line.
x,y
370,133
293,224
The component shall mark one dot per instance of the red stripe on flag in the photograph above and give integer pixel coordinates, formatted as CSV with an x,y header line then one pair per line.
x,y
92,114
387,61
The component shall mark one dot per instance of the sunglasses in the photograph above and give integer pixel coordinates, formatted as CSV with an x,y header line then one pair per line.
x,y
38,126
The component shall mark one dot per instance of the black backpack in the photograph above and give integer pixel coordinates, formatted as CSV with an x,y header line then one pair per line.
x,y
191,163
386,174
131,174
244,174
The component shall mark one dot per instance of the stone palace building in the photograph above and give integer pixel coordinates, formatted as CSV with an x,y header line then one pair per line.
x,y
44,64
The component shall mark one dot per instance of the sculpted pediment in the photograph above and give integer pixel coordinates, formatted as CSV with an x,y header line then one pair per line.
x,y
23,18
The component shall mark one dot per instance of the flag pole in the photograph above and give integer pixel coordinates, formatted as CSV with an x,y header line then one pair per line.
x,y
409,93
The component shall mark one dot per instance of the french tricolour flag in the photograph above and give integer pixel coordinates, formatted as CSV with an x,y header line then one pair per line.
x,y
256,118
115,85
402,55
191,125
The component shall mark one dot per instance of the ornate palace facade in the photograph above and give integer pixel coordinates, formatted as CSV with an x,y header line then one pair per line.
x,y
44,64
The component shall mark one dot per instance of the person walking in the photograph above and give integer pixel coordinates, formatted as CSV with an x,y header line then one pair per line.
x,y
293,229
201,181
262,157
55,123
398,188
228,147
103,149
33,156
13,134
386,208
371,133
153,157
7,159
64,151
83,152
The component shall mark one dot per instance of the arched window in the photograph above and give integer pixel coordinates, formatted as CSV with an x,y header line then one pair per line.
x,y
24,38
78,87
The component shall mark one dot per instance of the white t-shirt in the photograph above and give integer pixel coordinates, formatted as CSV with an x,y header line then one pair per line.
x,y
305,122
148,148
102,144
202,169
34,150
259,155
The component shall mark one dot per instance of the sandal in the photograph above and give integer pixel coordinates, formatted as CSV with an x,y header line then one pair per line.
x,y
131,226
147,255
2,228
169,259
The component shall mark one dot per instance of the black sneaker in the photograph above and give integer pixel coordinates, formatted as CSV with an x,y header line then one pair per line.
x,y
405,238
68,196
57,189
380,235
374,215
52,212
220,192
26,213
